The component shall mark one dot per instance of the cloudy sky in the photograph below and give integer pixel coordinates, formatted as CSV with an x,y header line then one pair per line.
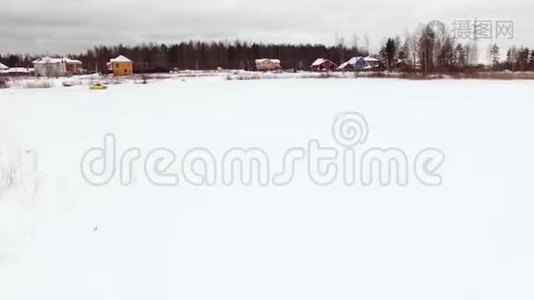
x,y
67,26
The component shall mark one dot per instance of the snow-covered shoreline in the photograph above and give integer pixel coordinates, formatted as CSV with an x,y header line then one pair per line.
x,y
33,82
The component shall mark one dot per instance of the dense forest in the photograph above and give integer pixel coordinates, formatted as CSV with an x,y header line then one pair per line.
x,y
423,50
197,55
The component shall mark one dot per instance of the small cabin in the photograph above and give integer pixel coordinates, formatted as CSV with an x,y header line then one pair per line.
x,y
268,64
120,66
322,64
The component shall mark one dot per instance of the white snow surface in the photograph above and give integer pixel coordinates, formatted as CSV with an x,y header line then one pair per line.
x,y
471,238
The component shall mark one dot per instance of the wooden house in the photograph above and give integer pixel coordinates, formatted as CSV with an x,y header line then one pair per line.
x,y
268,64
120,66
322,64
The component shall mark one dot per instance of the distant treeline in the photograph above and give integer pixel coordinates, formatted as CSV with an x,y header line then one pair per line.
x,y
196,55
424,50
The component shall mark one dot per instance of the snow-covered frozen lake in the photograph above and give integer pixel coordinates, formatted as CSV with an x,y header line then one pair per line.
x,y
470,237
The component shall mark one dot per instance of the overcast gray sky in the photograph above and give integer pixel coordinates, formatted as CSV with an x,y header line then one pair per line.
x,y
67,26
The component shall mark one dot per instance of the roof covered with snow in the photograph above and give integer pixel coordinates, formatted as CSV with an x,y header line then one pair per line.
x,y
353,61
318,62
16,71
323,64
262,60
47,60
51,60
120,58
369,58
3,67
72,61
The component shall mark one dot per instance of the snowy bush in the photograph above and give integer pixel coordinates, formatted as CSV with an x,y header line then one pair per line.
x,y
37,84
290,75
3,83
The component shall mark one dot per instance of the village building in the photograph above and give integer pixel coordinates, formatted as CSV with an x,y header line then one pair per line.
x,y
72,66
322,64
17,71
48,67
3,67
268,64
54,67
120,66
360,63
